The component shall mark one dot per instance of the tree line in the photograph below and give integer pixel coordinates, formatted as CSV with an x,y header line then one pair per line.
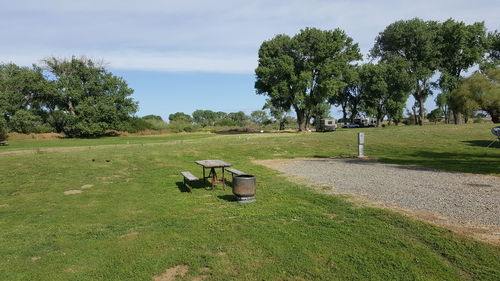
x,y
315,69
208,120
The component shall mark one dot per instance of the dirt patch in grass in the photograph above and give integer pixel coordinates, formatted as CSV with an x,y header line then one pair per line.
x,y
87,186
70,192
131,235
172,273
200,278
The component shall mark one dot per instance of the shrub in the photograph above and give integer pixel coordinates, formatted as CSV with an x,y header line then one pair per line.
x,y
182,126
135,124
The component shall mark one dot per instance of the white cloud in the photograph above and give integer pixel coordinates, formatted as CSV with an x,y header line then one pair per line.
x,y
214,36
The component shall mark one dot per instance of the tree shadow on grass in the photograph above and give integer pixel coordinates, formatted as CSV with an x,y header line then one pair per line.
x,y
484,143
476,163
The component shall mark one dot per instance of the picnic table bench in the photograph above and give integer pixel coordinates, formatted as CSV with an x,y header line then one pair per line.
x,y
233,171
189,178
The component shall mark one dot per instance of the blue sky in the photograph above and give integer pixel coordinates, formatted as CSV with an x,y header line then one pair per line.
x,y
188,55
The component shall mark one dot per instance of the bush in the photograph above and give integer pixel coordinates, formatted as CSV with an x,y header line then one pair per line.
x,y
135,124
182,126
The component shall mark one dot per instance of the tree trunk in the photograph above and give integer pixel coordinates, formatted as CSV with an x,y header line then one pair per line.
x,y
282,125
301,120
457,116
421,111
344,113
70,108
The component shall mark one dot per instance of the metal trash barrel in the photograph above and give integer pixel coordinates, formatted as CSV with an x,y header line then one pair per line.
x,y
244,188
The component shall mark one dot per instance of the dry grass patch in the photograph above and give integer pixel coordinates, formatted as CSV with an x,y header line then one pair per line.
x,y
74,191
172,273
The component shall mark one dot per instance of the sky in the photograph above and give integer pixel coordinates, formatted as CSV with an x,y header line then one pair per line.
x,y
180,56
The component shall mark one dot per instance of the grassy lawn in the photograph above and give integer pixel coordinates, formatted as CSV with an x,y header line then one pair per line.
x,y
137,220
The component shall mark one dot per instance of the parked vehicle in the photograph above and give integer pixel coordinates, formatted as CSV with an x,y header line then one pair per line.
x,y
366,122
347,125
326,125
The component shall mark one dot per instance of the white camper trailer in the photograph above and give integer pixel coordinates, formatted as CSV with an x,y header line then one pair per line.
x,y
326,125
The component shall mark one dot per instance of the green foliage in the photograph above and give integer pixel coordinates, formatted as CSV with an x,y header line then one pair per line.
x,y
384,88
349,98
25,91
461,46
25,121
205,117
239,118
304,71
180,116
417,42
480,91
435,115
260,117
492,58
136,124
182,126
3,129
93,99
153,117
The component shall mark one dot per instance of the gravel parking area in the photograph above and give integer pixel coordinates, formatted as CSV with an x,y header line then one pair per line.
x,y
460,201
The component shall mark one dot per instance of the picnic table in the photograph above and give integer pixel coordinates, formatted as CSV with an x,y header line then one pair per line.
x,y
212,165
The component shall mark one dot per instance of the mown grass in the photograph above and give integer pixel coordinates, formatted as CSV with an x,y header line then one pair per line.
x,y
137,220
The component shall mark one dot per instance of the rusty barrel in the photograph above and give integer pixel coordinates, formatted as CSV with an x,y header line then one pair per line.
x,y
244,188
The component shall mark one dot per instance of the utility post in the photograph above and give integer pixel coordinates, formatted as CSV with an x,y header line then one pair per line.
x,y
361,144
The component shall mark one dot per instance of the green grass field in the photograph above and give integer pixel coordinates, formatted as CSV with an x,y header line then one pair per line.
x,y
138,220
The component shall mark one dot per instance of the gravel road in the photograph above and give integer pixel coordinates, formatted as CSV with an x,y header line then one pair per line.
x,y
465,199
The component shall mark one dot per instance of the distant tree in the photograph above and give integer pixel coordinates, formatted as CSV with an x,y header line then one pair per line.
x,y
259,117
153,117
180,116
416,41
204,118
481,91
93,99
239,118
435,115
278,113
305,70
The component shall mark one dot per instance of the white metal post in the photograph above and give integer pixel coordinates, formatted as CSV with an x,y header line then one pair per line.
x,y
361,144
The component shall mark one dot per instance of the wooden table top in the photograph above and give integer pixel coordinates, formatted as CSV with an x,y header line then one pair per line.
x,y
213,163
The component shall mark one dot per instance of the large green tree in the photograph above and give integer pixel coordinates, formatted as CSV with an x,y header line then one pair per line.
x,y
304,71
385,87
92,99
416,41
461,46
